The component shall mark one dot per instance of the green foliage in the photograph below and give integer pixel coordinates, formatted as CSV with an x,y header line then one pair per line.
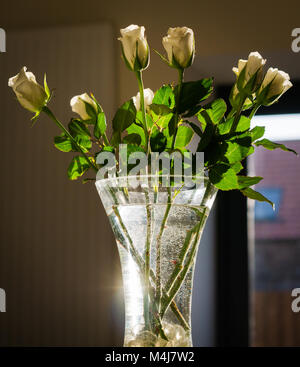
x,y
252,194
158,141
64,143
223,177
124,117
224,136
136,129
164,96
192,94
77,127
183,137
246,181
271,145
243,125
215,111
100,126
77,167
132,139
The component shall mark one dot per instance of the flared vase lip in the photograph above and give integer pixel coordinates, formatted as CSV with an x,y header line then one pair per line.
x,y
150,175
106,181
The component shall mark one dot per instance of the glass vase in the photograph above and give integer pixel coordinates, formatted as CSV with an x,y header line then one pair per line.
x,y
157,229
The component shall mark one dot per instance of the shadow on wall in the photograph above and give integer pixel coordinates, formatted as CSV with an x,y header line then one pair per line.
x,y
57,251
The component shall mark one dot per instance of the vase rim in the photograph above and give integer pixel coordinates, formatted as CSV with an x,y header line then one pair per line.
x,y
104,180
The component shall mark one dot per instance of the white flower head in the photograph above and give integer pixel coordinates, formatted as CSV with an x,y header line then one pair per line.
x,y
78,105
148,98
278,82
180,46
30,94
252,68
135,47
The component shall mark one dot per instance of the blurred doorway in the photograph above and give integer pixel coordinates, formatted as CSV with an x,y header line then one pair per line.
x,y
276,256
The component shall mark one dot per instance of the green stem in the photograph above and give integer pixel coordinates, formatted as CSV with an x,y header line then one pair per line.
x,y
49,113
238,114
179,263
189,250
231,113
177,278
147,263
105,139
253,112
180,81
140,262
158,251
142,106
180,278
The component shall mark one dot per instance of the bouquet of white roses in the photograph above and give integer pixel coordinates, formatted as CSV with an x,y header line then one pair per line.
x,y
164,121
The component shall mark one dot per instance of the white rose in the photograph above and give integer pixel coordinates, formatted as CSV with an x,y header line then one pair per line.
x,y
180,46
278,82
148,98
135,47
30,94
252,66
78,106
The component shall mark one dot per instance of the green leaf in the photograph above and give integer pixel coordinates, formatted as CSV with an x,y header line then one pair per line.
x,y
158,141
115,139
207,134
172,125
108,148
252,194
271,145
183,137
84,142
35,117
124,117
100,125
196,128
246,181
237,167
164,96
77,127
223,177
64,143
78,167
97,103
135,129
243,125
237,150
192,94
257,132
47,90
90,110
160,109
216,110
132,139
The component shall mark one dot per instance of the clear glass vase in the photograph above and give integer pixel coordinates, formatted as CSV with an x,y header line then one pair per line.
x,y
157,230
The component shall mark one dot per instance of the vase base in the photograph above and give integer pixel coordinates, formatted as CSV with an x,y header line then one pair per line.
x,y
177,337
